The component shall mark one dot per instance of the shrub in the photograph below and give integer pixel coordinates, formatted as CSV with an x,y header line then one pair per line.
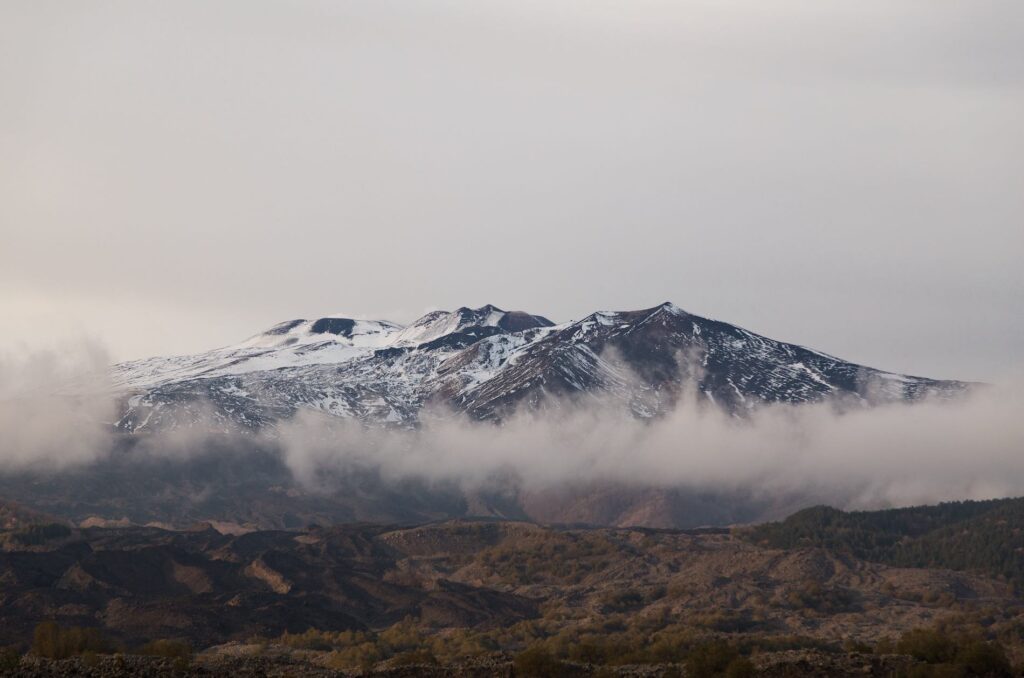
x,y
34,535
811,595
854,645
415,658
959,655
726,621
10,659
362,656
979,658
52,642
537,662
931,671
927,645
741,667
710,659
314,639
622,601
167,648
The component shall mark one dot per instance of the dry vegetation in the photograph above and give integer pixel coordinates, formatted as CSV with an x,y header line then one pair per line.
x,y
516,598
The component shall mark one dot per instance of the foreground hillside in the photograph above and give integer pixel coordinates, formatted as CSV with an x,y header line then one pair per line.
x,y
502,597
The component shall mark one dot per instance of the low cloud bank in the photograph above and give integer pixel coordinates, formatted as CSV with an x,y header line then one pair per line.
x,y
55,407
969,448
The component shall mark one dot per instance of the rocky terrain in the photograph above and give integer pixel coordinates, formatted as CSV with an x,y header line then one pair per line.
x,y
814,664
379,600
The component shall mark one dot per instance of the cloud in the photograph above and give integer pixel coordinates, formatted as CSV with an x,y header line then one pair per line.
x,y
55,406
856,458
57,414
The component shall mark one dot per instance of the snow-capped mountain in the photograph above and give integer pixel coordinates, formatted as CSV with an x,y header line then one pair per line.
x,y
485,362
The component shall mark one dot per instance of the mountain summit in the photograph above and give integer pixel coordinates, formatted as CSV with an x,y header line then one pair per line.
x,y
486,362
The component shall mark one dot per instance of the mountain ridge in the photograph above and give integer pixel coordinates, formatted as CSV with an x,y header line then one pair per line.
x,y
486,362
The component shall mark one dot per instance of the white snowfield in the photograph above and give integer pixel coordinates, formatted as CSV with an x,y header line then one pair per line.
x,y
296,344
486,360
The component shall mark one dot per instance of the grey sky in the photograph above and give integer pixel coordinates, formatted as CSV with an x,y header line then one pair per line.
x,y
176,176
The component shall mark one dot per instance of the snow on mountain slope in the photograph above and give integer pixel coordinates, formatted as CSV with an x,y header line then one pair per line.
x,y
293,343
487,362
483,321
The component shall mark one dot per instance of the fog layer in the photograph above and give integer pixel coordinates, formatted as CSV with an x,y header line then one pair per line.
x,y
864,458
57,414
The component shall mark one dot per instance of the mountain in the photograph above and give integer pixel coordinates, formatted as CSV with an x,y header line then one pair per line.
x,y
181,451
486,362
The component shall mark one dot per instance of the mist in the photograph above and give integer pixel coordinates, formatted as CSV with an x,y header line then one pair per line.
x,y
891,455
58,414
56,407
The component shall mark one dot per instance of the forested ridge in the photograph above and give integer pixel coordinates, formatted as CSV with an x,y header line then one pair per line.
x,y
979,536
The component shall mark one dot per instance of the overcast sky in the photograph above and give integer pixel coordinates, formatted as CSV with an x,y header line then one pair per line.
x,y
176,176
